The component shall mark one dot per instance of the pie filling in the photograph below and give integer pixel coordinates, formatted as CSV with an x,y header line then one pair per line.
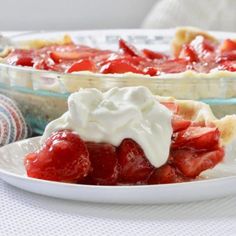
x,y
200,55
69,154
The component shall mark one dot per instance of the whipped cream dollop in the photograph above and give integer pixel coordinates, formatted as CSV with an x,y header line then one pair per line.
x,y
120,113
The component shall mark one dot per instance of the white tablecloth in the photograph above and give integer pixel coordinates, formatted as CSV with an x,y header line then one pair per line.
x,y
23,214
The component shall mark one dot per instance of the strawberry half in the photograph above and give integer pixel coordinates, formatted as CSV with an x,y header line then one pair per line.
x,y
200,138
166,174
104,164
134,166
191,163
64,157
129,49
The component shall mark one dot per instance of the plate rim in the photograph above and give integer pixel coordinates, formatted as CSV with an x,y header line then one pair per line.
x,y
135,187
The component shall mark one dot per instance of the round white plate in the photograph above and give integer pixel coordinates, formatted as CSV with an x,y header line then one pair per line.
x,y
12,171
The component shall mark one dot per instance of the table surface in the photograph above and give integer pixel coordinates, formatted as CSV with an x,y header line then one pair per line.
x,y
23,214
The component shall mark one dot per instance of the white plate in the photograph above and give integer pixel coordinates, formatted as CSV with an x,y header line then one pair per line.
x,y
12,171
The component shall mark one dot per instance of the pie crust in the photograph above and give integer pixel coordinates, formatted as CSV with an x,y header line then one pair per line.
x,y
201,112
39,43
184,35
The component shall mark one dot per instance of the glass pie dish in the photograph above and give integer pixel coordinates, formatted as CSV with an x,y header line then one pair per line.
x,y
41,95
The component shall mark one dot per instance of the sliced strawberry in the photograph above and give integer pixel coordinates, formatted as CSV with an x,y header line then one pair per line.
x,y
166,174
44,63
105,56
172,106
153,55
189,53
135,61
200,138
104,164
202,46
206,64
61,67
228,45
21,57
150,71
24,61
227,56
129,49
191,163
119,66
82,65
228,65
126,63
70,55
173,66
64,157
134,166
178,123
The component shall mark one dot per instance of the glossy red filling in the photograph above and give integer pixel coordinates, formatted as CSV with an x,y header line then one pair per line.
x,y
200,55
66,157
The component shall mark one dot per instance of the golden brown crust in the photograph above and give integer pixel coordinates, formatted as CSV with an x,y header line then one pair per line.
x,y
201,112
5,52
36,44
227,127
184,35
39,43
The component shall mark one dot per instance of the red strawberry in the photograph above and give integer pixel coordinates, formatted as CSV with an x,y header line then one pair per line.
x,y
202,46
64,157
82,65
228,65
153,55
227,56
129,49
204,138
21,57
171,106
104,164
189,53
134,166
150,71
191,163
119,66
69,55
173,66
228,45
44,64
178,123
166,174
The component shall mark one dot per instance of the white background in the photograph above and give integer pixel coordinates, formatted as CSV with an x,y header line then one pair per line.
x,y
72,14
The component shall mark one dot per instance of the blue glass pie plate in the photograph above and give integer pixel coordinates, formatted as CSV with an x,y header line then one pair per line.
x,y
41,95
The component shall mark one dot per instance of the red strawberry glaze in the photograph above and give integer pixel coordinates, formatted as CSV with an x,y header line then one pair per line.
x,y
167,174
134,166
200,55
63,157
66,157
104,168
192,162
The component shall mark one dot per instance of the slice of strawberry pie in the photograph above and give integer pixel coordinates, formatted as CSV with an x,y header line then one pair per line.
x,y
128,136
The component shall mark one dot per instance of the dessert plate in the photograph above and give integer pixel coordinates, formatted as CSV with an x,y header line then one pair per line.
x,y
12,171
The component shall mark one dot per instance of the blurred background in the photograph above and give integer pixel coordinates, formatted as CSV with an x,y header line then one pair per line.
x,y
105,14
73,14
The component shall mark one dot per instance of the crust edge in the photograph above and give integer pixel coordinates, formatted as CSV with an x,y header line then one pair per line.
x,y
201,112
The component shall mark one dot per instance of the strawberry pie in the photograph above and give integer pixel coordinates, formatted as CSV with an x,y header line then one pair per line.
x,y
192,50
128,136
